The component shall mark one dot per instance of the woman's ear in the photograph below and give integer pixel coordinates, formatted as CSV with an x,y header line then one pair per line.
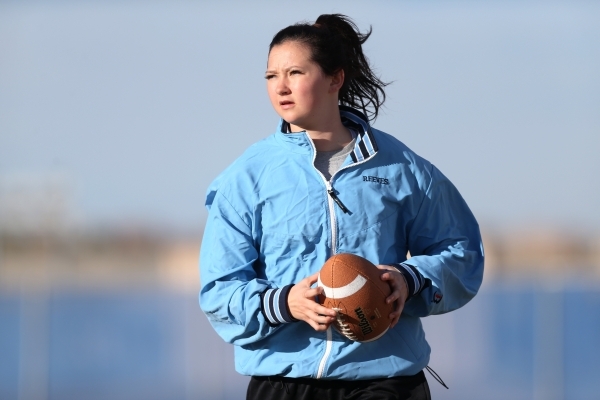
x,y
337,81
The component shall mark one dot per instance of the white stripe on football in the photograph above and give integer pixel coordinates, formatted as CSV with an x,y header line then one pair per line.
x,y
344,291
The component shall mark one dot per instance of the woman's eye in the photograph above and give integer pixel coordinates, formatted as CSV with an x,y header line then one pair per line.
x,y
293,72
267,77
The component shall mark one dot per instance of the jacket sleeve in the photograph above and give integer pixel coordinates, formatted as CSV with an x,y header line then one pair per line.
x,y
231,294
446,248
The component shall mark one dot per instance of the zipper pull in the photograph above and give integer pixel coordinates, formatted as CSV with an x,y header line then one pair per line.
x,y
337,200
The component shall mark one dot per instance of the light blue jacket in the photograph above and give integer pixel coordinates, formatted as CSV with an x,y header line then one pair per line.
x,y
272,223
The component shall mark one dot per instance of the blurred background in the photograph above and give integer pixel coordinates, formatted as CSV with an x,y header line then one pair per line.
x,y
116,115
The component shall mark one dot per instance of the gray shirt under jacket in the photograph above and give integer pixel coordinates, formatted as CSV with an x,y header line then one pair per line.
x,y
329,162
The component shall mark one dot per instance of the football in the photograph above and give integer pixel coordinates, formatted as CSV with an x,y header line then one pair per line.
x,y
354,289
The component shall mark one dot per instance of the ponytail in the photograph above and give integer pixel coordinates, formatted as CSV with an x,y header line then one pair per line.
x,y
336,43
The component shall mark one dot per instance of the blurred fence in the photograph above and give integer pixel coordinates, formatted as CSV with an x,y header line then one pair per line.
x,y
515,340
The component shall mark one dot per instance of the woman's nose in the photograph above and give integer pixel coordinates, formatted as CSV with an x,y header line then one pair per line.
x,y
282,87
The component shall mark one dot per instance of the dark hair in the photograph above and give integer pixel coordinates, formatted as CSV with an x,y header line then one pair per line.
x,y
336,43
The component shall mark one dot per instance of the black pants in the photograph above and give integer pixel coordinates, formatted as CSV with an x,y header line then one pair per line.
x,y
400,388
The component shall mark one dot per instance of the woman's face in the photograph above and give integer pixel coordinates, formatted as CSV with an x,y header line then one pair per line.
x,y
298,89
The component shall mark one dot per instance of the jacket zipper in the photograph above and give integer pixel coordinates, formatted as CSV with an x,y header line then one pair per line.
x,y
330,200
337,199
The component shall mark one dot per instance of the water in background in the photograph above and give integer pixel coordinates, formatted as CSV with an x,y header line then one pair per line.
x,y
115,315
517,341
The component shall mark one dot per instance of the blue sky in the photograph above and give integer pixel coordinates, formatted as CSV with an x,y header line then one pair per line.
x,y
138,106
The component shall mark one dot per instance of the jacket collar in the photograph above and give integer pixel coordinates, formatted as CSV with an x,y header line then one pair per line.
x,y
365,146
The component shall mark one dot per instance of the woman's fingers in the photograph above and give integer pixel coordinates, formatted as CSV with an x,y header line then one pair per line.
x,y
395,315
317,319
313,292
317,309
302,304
327,312
322,319
393,297
312,279
317,326
399,293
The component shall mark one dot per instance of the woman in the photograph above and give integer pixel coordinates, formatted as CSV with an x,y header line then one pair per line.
x,y
327,182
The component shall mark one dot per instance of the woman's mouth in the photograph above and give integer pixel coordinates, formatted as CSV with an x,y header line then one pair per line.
x,y
286,104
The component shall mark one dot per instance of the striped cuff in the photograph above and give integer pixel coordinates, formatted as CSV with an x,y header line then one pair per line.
x,y
414,279
274,306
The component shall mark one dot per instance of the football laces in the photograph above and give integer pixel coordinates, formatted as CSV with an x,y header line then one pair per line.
x,y
342,326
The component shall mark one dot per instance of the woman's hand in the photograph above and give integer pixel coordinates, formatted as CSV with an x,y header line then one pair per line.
x,y
399,291
302,304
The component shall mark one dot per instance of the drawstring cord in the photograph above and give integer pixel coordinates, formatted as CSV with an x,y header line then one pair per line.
x,y
436,376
